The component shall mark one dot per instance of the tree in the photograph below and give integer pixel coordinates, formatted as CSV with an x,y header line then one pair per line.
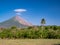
x,y
42,23
13,27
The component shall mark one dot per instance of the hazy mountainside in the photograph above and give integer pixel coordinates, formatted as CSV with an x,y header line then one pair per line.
x,y
15,21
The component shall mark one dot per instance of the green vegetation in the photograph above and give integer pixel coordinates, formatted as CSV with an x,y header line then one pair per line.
x,y
42,23
35,32
32,32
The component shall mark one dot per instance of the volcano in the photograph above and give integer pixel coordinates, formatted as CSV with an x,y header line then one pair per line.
x,y
15,21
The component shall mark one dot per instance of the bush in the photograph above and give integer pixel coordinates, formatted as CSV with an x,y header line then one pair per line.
x,y
31,33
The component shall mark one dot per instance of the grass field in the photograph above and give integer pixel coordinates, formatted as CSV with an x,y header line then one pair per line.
x,y
29,41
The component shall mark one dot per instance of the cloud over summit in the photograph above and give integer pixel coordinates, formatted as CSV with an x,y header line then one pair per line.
x,y
20,10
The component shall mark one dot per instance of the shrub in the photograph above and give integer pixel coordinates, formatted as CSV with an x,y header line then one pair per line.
x,y
30,33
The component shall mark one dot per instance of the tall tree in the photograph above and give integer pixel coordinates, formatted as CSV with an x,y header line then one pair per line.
x,y
43,22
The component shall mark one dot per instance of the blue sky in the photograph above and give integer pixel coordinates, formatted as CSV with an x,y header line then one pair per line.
x,y
36,10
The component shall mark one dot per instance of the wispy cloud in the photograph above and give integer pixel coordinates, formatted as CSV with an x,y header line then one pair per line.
x,y
20,10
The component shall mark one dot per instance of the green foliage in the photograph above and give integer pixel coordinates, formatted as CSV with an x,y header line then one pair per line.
x,y
50,32
43,21
13,27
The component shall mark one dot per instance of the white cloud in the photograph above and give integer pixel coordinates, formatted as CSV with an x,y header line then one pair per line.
x,y
18,13
20,10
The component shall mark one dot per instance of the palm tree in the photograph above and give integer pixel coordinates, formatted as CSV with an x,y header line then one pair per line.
x,y
43,22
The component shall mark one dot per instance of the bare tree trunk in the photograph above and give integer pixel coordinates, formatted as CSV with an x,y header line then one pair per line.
x,y
42,27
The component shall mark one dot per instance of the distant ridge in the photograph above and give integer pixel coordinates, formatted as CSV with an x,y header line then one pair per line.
x,y
15,21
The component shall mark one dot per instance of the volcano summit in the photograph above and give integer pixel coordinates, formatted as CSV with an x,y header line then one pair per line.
x,y
15,21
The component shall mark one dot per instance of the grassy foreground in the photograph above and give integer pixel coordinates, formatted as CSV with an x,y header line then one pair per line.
x,y
29,41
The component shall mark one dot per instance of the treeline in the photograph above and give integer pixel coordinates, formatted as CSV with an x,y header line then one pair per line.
x,y
35,32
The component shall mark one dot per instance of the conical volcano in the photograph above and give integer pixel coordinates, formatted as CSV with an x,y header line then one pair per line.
x,y
15,21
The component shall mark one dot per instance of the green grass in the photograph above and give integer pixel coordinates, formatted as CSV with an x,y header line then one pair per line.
x,y
29,41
